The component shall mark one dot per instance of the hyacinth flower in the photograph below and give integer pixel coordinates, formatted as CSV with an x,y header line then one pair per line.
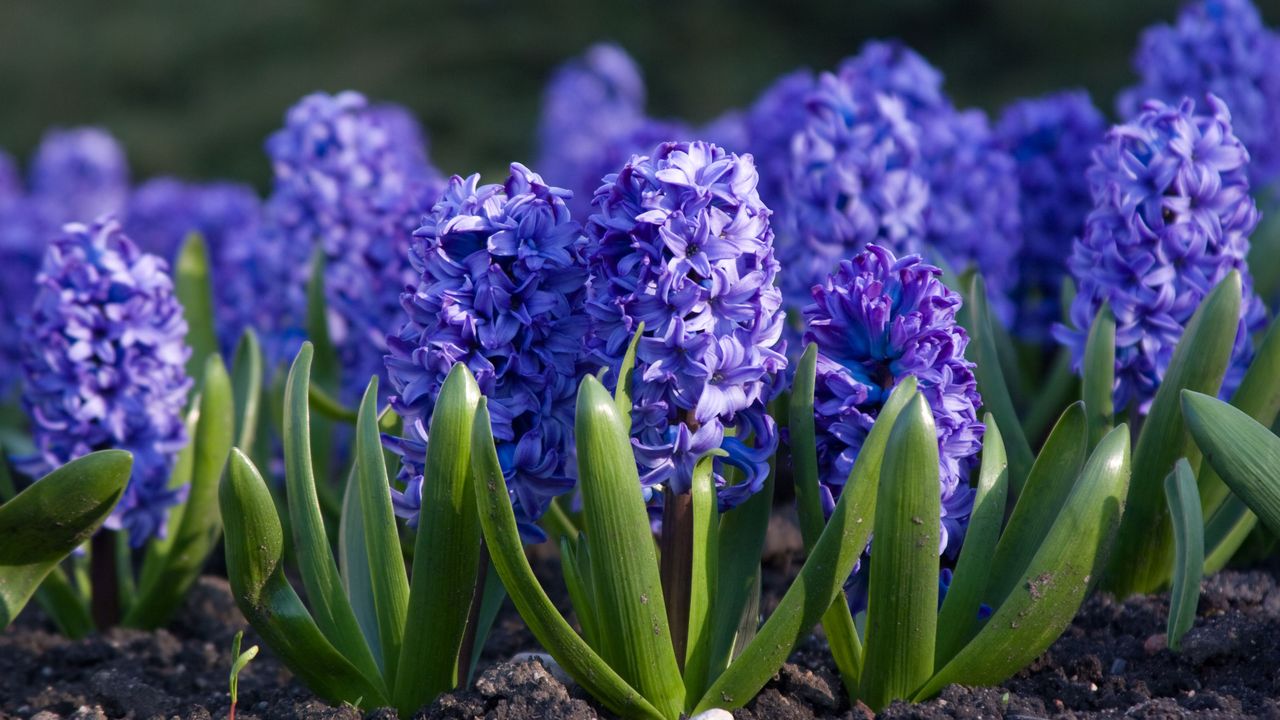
x,y
1164,300
501,288
1050,139
971,217
1220,47
770,124
351,183
104,360
877,320
856,178
79,174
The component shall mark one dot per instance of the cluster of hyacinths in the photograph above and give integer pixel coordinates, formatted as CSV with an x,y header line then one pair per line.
x,y
855,178
75,175
1050,138
104,358
681,242
352,179
971,217
876,321
1219,47
501,278
1172,217
163,212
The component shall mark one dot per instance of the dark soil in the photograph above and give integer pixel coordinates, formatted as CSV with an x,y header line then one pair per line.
x,y
1112,662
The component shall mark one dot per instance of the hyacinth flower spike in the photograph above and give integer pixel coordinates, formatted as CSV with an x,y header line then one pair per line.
x,y
105,362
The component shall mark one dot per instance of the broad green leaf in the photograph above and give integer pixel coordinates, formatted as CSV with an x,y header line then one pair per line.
x,y
199,526
991,384
255,568
353,564
1052,480
624,563
52,517
1056,582
60,601
1244,453
328,406
246,382
580,592
704,578
381,537
490,604
501,534
194,289
1230,521
821,578
325,375
310,540
184,468
1188,563
958,618
743,531
622,393
1100,374
446,551
902,601
1143,554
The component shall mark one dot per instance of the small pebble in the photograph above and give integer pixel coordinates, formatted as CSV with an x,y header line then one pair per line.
x,y
1117,667
713,714
1155,644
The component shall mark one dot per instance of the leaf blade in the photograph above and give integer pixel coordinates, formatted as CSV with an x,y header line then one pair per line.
x,y
1188,536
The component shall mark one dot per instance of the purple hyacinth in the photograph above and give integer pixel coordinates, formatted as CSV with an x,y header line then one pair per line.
x,y
79,174
1172,217
856,178
770,124
104,355
877,320
1050,138
501,286
972,217
348,179
23,236
681,242
591,102
161,213
1219,47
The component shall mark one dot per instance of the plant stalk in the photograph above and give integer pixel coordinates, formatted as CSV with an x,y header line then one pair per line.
x,y
676,566
105,603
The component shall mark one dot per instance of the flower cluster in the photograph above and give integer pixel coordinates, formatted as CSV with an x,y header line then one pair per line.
x,y
104,355
971,218
348,179
79,174
1172,217
855,178
770,124
1050,139
591,102
877,320
1219,47
501,285
161,213
681,242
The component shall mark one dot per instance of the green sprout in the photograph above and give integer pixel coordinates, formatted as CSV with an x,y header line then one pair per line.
x,y
241,660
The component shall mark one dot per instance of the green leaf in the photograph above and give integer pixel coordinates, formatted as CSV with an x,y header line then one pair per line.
x,y
494,595
193,287
353,564
246,382
622,393
1188,537
1057,389
184,468
902,604
255,568
822,577
842,636
1056,582
1048,487
64,605
958,618
703,578
991,384
326,375
498,520
446,551
1258,395
1244,453
624,562
1144,547
199,525
310,541
52,517
581,594
381,537
1100,374
744,531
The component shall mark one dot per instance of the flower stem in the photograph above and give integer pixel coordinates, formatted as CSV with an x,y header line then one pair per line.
x,y
676,566
105,597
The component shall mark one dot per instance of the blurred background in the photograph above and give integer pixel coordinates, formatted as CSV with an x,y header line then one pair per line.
x,y
192,89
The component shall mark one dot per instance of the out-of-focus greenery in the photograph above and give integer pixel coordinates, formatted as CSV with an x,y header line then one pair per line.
x,y
192,88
